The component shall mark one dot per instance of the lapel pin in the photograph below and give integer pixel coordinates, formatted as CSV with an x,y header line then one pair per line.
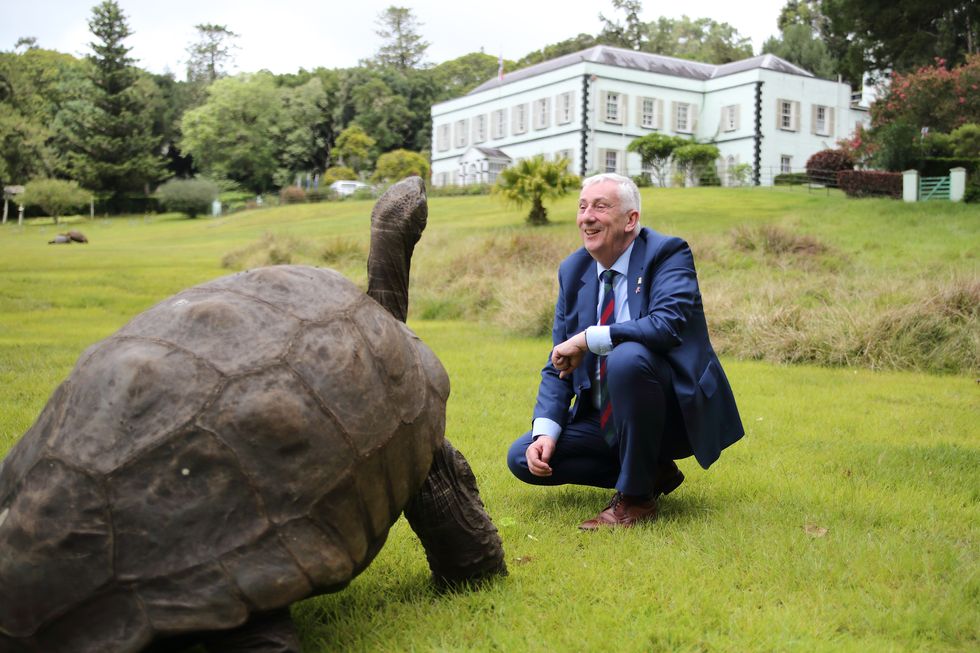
x,y
639,282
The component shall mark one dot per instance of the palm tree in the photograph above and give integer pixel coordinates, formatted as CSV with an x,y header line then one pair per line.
x,y
532,181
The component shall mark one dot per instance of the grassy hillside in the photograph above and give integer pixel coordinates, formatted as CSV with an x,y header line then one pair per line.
x,y
848,519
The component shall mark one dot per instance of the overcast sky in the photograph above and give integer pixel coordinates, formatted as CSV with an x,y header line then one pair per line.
x,y
286,35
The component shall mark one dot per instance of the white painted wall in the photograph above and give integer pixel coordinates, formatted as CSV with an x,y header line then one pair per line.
x,y
601,134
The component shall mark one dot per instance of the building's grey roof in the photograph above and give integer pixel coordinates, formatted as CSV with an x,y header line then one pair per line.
x,y
492,152
654,63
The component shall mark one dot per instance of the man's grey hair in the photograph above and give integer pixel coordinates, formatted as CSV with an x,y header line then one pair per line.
x,y
629,194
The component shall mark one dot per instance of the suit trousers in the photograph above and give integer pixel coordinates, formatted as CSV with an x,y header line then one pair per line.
x,y
649,426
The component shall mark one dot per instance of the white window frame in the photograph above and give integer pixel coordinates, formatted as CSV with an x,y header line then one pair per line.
x,y
682,118
607,156
648,112
613,100
787,115
480,128
823,126
785,164
565,108
499,125
730,118
442,136
519,119
460,132
542,113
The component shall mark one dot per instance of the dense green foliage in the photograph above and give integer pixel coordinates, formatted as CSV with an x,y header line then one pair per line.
x,y
102,121
533,180
655,151
398,164
188,196
695,161
877,36
54,196
108,132
845,520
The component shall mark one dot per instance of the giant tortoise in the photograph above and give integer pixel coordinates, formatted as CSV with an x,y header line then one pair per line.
x,y
240,446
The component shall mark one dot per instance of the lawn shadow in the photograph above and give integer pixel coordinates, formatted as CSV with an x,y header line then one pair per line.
x,y
580,502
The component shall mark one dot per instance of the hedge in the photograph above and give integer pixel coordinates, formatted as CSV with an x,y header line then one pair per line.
x,y
865,183
940,166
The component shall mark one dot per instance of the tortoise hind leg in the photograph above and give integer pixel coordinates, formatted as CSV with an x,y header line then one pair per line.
x,y
461,543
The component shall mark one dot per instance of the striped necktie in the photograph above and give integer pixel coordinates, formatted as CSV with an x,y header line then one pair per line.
x,y
607,315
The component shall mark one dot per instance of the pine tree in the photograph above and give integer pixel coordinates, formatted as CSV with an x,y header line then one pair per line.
x,y
403,46
108,135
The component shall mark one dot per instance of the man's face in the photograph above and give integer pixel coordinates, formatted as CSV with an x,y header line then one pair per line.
x,y
607,230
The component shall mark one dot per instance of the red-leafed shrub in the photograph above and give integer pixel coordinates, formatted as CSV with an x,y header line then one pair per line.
x,y
865,183
823,166
292,195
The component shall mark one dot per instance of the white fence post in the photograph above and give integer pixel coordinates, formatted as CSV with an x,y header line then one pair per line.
x,y
957,184
910,185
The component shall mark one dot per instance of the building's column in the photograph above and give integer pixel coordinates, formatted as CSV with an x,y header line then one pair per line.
x,y
957,184
910,185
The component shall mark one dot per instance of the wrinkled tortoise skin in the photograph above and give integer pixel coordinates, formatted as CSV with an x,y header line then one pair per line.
x,y
186,475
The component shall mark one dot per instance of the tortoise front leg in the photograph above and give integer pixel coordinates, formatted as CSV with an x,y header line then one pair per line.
x,y
461,543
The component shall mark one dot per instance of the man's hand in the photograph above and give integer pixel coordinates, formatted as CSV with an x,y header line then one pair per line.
x,y
566,356
538,454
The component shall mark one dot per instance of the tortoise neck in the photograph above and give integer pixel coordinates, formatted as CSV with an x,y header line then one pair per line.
x,y
388,269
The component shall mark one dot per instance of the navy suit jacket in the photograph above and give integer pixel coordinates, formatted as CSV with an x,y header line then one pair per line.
x,y
666,315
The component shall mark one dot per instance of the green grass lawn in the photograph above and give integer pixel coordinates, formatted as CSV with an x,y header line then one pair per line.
x,y
847,519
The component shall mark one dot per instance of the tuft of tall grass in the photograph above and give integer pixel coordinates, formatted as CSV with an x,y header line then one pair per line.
x,y
506,279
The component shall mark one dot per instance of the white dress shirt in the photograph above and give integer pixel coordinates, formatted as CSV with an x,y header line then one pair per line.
x,y
597,338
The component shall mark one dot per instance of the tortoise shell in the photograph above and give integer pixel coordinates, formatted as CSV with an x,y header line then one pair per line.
x,y
242,445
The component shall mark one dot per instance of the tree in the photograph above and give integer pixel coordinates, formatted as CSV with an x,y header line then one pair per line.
x,y
632,34
211,54
188,196
877,36
54,196
396,165
693,160
300,143
383,114
797,44
338,173
26,42
229,135
700,39
108,134
459,76
403,47
655,151
353,147
965,140
568,46
33,85
934,96
534,180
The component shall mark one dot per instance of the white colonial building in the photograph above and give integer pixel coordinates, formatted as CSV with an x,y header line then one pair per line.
x,y
588,106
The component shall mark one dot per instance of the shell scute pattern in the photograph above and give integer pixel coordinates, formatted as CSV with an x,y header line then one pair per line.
x,y
237,447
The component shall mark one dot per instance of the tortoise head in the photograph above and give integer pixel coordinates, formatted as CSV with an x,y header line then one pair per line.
x,y
397,221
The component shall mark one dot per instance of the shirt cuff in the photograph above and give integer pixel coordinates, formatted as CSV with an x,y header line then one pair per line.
x,y
598,340
545,426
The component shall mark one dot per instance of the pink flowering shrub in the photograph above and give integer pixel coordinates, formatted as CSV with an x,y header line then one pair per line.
x,y
936,97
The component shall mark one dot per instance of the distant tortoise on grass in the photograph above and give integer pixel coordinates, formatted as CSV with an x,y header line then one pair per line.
x,y
240,446
68,238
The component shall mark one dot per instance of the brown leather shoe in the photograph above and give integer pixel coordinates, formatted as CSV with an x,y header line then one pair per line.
x,y
622,511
